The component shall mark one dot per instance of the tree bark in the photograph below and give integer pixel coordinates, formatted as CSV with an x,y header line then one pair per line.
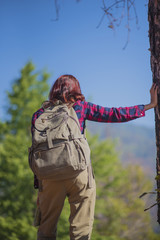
x,y
154,37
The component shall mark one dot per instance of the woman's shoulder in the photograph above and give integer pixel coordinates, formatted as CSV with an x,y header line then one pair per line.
x,y
80,103
84,105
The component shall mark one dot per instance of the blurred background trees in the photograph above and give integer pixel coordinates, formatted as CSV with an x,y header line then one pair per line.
x,y
119,213
17,195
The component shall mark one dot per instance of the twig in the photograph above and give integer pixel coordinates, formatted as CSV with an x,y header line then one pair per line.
x,y
57,10
101,20
126,6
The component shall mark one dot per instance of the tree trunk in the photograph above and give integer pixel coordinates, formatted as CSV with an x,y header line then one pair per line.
x,y
154,37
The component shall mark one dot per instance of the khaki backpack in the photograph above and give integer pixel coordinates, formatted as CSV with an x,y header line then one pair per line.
x,y
59,151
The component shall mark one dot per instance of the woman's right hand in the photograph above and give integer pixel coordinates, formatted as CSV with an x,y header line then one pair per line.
x,y
154,98
153,93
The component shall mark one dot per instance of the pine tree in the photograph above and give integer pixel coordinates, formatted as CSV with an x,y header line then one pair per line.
x,y
17,198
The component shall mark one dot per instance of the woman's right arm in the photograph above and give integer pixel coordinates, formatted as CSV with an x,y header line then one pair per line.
x,y
122,114
98,113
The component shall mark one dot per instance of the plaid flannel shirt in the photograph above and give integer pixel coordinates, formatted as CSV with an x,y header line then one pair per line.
x,y
89,111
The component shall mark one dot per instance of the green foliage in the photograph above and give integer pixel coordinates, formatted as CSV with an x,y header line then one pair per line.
x,y
136,144
119,212
17,198
28,92
16,229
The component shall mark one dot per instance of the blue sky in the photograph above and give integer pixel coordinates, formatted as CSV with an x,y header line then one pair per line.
x,y
108,75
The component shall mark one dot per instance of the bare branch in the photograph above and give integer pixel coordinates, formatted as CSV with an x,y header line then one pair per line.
x,y
115,20
111,6
101,20
57,10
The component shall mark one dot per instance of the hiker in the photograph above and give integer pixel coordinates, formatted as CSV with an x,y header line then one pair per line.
x,y
80,189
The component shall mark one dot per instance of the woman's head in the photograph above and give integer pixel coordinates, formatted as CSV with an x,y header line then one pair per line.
x,y
67,89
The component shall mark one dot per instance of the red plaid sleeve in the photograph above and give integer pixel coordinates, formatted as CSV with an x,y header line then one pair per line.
x,y
104,114
34,117
89,111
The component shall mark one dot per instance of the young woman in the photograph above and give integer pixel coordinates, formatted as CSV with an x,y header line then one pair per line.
x,y
80,195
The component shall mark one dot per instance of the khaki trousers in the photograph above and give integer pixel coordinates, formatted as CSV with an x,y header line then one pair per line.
x,y
82,203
